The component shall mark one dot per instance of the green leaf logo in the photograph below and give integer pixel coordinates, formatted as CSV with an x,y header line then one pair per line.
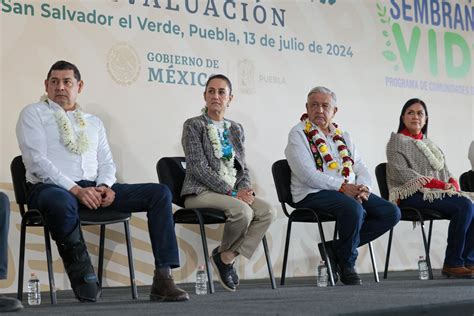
x,y
386,20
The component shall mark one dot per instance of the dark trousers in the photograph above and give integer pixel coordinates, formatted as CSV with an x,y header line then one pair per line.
x,y
460,211
357,223
4,225
61,211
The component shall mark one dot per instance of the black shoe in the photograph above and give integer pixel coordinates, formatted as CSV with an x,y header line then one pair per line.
x,y
332,258
8,304
235,276
224,271
349,276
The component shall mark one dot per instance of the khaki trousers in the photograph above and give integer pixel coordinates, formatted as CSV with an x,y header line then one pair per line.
x,y
246,224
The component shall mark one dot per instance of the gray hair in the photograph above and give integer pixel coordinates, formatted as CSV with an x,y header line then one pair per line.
x,y
323,90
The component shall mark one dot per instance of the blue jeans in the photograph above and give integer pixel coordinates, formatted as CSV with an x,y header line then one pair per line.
x,y
4,225
357,223
460,211
60,209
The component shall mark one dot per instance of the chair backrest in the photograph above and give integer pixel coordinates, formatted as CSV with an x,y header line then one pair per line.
x,y
18,171
381,175
171,171
282,177
466,181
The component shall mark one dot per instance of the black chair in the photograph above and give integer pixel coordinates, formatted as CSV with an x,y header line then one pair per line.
x,y
33,217
408,214
282,176
466,181
171,171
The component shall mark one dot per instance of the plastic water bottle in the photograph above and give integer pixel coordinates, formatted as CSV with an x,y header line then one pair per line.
x,y
201,281
423,269
322,279
34,294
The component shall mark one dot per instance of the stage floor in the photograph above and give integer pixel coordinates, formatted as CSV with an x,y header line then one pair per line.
x,y
401,294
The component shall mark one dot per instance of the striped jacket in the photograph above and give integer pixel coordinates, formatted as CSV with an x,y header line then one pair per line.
x,y
202,166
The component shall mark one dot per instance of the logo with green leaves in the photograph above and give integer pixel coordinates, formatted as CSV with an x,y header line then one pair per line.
x,y
387,21
445,49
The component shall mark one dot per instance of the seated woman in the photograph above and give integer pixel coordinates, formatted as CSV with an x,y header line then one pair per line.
x,y
418,177
217,177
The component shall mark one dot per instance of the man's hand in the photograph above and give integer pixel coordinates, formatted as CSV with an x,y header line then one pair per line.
x,y
246,195
357,191
108,195
90,197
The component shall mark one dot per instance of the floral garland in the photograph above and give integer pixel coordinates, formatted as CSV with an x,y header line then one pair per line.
x,y
319,148
432,153
223,151
81,143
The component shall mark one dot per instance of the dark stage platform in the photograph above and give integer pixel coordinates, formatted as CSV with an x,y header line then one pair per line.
x,y
401,294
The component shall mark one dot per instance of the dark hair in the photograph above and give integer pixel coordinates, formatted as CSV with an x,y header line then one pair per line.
x,y
409,103
64,65
220,76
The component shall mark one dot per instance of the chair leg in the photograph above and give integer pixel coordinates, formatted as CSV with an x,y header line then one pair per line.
x,y
429,235
49,260
387,258
101,254
21,261
206,252
269,262
326,257
374,263
131,267
285,255
427,251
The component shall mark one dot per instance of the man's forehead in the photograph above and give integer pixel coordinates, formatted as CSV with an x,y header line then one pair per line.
x,y
62,74
320,96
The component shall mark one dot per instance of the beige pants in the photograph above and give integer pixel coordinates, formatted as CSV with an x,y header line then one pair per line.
x,y
246,224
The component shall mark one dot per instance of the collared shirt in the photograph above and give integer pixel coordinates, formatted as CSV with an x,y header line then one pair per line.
x,y
48,160
306,178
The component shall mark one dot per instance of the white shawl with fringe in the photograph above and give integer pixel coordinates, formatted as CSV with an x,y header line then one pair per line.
x,y
408,170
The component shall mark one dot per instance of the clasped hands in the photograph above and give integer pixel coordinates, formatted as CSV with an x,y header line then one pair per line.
x,y
94,197
246,195
358,191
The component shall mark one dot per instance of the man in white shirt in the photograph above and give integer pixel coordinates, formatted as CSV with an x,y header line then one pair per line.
x,y
328,174
69,166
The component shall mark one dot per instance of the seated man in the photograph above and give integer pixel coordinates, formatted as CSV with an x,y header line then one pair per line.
x,y
7,304
69,166
327,173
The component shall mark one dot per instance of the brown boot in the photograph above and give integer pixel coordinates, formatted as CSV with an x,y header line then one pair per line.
x,y
163,289
457,272
470,268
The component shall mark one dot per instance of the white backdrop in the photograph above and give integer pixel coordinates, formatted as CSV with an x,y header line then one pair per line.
x,y
144,82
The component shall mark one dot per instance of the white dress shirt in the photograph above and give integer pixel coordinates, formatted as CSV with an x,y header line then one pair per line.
x,y
306,178
48,160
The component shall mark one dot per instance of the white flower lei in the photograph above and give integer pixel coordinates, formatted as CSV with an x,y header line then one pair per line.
x,y
81,143
227,171
432,153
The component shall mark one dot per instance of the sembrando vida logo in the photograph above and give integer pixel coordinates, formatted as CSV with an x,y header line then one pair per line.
x,y
448,38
